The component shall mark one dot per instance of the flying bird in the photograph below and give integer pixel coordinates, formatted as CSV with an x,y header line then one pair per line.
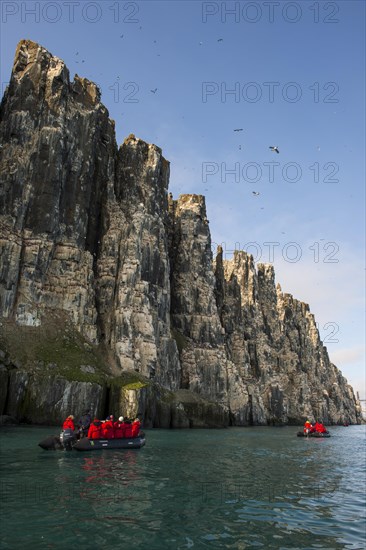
x,y
274,148
255,193
220,39
238,129
154,91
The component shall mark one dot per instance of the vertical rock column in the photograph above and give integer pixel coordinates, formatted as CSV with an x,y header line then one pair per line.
x,y
237,290
57,155
195,317
133,267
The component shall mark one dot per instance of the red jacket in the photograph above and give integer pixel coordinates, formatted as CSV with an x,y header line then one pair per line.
x,y
320,428
68,424
136,425
307,427
107,429
128,429
95,430
119,430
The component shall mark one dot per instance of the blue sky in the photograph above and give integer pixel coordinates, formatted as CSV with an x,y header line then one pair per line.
x,y
290,74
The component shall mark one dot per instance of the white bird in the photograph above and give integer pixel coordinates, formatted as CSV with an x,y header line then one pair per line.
x,y
255,193
274,148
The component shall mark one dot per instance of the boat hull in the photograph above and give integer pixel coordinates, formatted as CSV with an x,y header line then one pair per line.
x,y
51,443
54,443
314,434
98,444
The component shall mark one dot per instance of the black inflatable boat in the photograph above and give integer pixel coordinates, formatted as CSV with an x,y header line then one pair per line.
x,y
62,443
95,444
313,434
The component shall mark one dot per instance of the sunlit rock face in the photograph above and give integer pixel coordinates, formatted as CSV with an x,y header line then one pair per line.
x,y
273,340
88,229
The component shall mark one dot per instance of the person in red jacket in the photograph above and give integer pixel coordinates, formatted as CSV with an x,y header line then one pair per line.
x,y
320,428
136,425
107,428
69,423
128,428
119,430
95,429
307,427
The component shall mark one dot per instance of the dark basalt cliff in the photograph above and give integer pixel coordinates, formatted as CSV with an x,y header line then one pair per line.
x,y
109,294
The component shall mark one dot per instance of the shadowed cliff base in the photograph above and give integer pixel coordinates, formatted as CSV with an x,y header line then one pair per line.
x,y
109,294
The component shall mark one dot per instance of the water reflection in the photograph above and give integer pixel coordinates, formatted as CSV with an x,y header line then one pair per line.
x,y
110,478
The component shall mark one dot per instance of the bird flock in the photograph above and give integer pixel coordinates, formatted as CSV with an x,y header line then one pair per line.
x,y
273,148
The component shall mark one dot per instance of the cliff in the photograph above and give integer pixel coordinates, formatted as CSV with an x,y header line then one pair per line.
x,y
109,295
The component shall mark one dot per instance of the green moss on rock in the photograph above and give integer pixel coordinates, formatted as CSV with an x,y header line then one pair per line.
x,y
129,380
54,348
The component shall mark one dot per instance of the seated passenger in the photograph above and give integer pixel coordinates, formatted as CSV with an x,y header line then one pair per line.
x,y
84,423
69,423
95,429
128,428
136,425
119,430
320,428
107,428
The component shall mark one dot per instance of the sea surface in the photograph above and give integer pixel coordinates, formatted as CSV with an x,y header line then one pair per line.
x,y
232,488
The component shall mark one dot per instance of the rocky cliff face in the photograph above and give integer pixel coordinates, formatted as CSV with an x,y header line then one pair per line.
x,y
273,340
133,270
90,239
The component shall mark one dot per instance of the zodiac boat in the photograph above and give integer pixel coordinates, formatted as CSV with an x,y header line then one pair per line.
x,y
69,442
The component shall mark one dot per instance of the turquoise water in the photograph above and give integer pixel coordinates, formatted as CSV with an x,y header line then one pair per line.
x,y
236,488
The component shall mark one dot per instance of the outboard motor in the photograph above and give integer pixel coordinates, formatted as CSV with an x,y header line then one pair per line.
x,y
67,438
